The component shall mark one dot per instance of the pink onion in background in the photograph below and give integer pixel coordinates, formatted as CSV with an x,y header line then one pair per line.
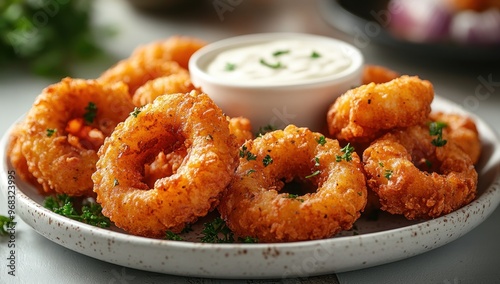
x,y
431,21
476,28
419,20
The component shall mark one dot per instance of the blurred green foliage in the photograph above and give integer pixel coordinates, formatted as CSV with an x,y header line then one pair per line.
x,y
46,36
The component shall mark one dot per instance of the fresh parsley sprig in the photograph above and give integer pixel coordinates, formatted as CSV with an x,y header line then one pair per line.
x,y
169,235
91,214
6,223
216,231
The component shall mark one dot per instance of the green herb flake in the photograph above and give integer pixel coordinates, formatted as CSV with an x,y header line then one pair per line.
x,y
315,54
169,235
51,132
230,66
90,113
388,173
248,240
136,112
267,160
314,174
321,140
436,129
250,171
276,65
280,52
347,156
293,196
116,182
244,153
428,163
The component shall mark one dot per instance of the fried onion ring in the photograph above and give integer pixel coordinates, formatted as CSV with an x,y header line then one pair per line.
x,y
61,162
175,48
169,123
366,112
241,128
151,61
377,74
413,177
17,159
166,164
253,205
462,130
175,83
135,72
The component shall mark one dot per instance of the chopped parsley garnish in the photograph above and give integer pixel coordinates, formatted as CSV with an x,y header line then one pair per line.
x,y
276,65
316,164
90,214
250,171
230,66
6,223
216,231
265,129
316,161
436,129
388,173
90,113
321,140
347,156
381,164
280,52
294,196
314,174
428,163
315,54
136,112
50,132
267,160
244,153
248,240
169,235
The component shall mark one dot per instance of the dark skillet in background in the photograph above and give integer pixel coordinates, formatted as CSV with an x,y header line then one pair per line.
x,y
367,21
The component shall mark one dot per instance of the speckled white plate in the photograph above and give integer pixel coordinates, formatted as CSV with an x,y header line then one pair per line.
x,y
374,241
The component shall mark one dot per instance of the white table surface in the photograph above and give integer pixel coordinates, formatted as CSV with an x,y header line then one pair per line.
x,y
473,258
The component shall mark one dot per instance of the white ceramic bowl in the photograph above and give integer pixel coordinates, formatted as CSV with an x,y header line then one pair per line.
x,y
303,103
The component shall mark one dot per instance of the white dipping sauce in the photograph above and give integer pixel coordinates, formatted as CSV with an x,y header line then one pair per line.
x,y
278,62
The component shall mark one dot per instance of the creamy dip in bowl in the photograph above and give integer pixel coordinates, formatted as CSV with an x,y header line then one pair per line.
x,y
277,78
